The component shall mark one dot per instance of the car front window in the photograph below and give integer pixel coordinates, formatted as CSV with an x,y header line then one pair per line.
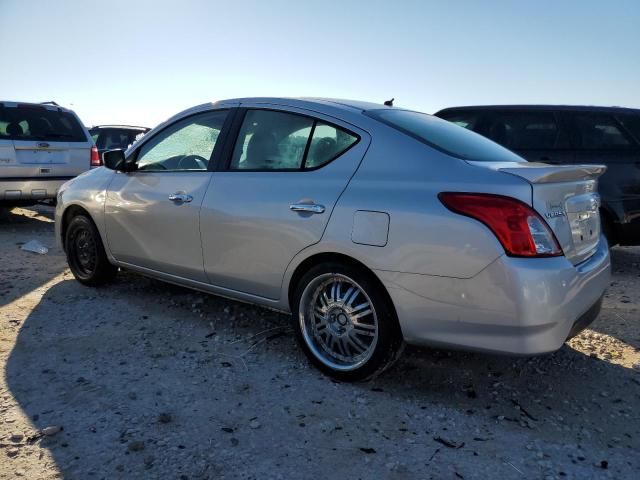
x,y
186,145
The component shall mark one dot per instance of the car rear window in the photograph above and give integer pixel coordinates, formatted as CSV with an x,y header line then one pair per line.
x,y
34,122
445,136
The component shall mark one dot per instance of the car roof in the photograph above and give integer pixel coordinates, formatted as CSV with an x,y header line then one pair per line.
x,y
584,108
343,109
336,103
129,127
48,105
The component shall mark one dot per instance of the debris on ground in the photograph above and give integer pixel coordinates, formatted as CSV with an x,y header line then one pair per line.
x,y
35,246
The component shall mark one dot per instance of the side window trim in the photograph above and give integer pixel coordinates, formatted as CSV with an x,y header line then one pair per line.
x,y
217,148
235,125
231,139
303,166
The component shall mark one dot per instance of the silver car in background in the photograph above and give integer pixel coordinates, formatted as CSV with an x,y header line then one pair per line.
x,y
373,225
42,145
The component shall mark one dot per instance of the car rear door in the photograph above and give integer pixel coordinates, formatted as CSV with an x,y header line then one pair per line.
x,y
49,142
274,195
152,214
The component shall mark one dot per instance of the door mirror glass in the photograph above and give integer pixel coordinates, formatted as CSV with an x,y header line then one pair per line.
x,y
114,159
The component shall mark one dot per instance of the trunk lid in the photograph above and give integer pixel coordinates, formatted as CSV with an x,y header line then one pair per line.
x,y
44,158
566,196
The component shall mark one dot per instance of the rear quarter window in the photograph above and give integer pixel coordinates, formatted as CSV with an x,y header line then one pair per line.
x,y
447,137
34,122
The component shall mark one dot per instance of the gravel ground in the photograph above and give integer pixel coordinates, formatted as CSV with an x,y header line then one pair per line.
x,y
147,380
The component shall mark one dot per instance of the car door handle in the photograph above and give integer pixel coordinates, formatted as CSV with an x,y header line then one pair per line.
x,y
180,198
307,207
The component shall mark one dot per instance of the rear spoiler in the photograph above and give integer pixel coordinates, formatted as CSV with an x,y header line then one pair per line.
x,y
545,173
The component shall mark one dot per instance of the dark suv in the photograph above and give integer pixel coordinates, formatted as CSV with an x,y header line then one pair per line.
x,y
566,134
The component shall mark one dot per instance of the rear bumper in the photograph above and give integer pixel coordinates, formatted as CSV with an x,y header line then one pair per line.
x,y
514,306
25,188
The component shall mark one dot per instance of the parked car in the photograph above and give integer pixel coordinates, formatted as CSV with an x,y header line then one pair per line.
x,y
371,224
565,135
41,147
110,137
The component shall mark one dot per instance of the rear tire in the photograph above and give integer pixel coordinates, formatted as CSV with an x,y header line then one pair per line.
x,y
345,322
86,256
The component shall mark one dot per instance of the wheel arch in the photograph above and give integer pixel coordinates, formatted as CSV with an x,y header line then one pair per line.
x,y
71,211
325,257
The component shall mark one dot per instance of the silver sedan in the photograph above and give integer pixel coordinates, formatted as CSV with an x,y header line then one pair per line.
x,y
373,225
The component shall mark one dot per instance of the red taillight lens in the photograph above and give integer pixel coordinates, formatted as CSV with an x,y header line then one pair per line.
x,y
519,228
96,161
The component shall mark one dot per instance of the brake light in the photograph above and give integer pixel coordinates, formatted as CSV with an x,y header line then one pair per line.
x,y
519,228
96,161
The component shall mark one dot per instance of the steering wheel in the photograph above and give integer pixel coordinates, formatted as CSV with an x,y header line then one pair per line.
x,y
200,162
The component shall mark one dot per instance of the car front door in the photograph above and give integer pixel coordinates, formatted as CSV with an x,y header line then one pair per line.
x,y
274,196
152,213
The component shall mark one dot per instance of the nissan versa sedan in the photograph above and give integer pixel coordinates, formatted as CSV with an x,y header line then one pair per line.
x,y
374,226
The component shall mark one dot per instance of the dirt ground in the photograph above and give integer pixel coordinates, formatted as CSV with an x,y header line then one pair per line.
x,y
147,380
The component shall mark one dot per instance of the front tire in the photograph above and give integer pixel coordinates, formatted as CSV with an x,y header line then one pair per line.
x,y
345,322
85,253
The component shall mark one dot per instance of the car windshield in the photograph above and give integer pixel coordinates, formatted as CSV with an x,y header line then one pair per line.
x,y
35,122
445,136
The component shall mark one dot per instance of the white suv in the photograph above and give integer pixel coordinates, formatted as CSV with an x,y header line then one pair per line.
x,y
42,145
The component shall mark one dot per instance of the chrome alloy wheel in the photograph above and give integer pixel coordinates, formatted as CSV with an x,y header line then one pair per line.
x,y
338,321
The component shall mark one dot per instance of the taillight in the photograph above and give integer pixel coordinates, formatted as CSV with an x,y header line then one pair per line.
x,y
519,228
95,157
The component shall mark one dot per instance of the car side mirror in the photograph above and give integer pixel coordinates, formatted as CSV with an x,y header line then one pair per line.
x,y
114,159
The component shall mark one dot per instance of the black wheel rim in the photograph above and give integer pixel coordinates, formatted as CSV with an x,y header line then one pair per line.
x,y
84,252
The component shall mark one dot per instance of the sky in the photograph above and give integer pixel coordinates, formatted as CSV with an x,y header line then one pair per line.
x,y
139,62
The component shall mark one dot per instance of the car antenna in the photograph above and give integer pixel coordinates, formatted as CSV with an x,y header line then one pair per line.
x,y
389,103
